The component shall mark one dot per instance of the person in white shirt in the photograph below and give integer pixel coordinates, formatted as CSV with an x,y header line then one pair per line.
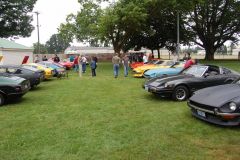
x,y
84,64
145,59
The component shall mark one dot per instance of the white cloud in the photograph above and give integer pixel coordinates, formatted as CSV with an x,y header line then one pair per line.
x,y
52,14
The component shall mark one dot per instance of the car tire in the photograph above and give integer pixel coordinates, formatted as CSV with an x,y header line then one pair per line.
x,y
2,99
180,93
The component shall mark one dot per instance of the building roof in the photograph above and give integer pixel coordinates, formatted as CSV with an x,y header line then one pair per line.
x,y
6,44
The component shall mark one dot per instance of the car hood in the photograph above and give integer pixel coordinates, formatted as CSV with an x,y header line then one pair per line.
x,y
216,96
162,70
171,78
11,80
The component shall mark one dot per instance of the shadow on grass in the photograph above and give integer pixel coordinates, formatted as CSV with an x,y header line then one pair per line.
x,y
154,97
38,88
216,125
14,102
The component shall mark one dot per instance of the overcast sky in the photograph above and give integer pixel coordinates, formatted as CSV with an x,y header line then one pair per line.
x,y
52,14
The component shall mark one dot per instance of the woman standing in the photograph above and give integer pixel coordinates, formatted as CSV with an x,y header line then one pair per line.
x,y
93,66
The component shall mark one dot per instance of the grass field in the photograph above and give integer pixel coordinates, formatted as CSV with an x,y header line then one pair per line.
x,y
106,118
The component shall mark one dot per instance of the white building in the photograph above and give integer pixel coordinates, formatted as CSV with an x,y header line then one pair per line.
x,y
14,53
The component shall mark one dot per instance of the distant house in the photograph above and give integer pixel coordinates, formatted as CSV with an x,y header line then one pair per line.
x,y
14,53
89,50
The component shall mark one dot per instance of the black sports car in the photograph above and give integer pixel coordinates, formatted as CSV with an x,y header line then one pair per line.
x,y
33,77
41,73
181,86
12,87
219,105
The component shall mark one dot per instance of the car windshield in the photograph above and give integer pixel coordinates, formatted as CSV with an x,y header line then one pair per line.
x,y
196,71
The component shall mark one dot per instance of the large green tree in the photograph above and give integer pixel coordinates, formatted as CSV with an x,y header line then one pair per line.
x,y
15,19
214,22
57,44
83,25
122,21
42,48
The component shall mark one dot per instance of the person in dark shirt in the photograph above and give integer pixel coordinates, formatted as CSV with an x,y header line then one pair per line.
x,y
44,58
56,59
93,66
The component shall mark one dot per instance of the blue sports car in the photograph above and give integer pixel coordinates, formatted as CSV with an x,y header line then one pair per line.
x,y
175,69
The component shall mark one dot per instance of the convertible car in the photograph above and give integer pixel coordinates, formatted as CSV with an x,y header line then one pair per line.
x,y
139,71
12,87
173,70
49,72
59,69
67,64
181,86
33,77
219,105
138,64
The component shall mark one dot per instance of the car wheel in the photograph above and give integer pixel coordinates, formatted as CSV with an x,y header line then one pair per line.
x,y
180,93
2,99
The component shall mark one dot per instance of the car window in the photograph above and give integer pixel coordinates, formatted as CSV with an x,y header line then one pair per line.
x,y
11,70
2,70
226,71
197,71
170,63
158,62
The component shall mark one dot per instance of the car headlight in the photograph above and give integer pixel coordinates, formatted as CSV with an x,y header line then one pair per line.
x,y
167,85
229,107
232,106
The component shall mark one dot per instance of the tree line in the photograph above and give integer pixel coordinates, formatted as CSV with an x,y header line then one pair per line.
x,y
132,24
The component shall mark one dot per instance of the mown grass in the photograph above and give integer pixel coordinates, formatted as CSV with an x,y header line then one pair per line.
x,y
107,118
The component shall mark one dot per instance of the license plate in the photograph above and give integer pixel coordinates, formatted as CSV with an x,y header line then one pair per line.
x,y
146,88
201,113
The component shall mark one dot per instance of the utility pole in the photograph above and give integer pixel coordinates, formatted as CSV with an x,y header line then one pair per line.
x,y
37,13
178,47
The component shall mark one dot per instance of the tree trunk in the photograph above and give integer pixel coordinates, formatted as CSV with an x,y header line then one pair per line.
x,y
117,50
209,53
158,53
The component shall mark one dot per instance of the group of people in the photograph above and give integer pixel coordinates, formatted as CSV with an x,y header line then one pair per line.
x,y
56,59
116,60
80,64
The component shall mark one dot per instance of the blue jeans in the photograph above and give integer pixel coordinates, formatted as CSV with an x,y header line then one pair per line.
x,y
115,69
76,67
125,70
84,65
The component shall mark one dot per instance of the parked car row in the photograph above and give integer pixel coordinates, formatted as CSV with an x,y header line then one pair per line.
x,y
213,92
17,80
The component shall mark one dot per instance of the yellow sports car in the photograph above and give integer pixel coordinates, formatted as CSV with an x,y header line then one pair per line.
x,y
139,71
48,71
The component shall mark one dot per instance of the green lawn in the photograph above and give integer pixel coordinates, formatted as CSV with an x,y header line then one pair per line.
x,y
106,118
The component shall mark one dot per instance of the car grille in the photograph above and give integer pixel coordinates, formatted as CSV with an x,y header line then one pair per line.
x,y
203,106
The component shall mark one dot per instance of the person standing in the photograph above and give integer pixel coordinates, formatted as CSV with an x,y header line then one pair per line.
x,y
190,62
44,58
80,66
125,65
116,61
75,62
71,58
84,64
93,66
56,59
145,59
36,59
